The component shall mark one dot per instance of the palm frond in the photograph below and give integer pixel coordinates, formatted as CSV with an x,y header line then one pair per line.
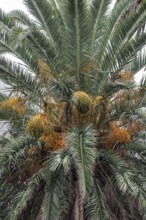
x,y
43,13
96,205
98,10
82,144
56,178
17,75
120,37
21,17
25,196
13,154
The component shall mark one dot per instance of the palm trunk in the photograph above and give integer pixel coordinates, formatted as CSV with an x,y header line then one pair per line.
x,y
78,212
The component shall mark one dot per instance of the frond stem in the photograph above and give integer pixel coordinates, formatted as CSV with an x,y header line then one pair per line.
x,y
77,42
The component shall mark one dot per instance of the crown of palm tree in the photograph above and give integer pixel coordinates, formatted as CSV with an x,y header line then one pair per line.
x,y
76,118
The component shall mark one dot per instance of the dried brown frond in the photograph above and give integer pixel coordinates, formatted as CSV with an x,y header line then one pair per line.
x,y
29,168
44,70
53,142
33,151
125,76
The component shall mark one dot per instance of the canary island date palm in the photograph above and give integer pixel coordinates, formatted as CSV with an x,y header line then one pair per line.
x,y
76,117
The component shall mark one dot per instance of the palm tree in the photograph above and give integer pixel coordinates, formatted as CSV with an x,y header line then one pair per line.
x,y
76,117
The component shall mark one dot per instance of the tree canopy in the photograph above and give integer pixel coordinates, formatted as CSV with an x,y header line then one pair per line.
x,y
77,122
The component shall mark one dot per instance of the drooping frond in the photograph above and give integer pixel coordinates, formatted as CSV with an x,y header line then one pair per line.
x,y
13,155
82,144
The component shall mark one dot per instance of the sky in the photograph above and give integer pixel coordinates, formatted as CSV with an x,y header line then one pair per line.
x,y
8,5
